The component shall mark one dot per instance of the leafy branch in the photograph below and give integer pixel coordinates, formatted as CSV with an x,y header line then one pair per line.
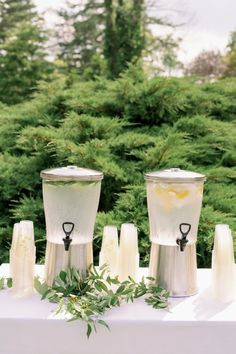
x,y
5,283
88,299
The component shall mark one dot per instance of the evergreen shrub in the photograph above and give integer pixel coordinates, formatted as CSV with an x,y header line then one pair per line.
x,y
123,128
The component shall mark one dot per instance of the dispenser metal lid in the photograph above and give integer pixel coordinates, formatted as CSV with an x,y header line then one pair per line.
x,y
175,175
71,173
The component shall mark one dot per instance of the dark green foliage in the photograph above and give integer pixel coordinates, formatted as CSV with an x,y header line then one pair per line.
x,y
13,12
82,51
151,102
102,37
123,128
22,59
124,39
230,58
211,139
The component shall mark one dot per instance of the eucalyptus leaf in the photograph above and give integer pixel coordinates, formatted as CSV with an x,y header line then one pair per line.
x,y
9,282
89,329
41,288
62,276
2,281
103,323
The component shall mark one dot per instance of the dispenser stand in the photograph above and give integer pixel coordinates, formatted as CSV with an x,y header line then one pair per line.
x,y
173,269
79,256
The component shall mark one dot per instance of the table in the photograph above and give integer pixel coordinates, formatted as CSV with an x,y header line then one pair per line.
x,y
194,325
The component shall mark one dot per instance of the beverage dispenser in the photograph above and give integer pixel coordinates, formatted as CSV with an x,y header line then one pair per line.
x,y
70,196
174,199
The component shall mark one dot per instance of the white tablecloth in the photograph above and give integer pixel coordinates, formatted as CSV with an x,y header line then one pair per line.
x,y
194,325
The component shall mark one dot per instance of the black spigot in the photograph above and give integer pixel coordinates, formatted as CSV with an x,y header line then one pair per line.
x,y
67,240
182,242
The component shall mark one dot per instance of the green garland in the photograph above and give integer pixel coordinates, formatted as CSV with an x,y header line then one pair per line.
x,y
88,299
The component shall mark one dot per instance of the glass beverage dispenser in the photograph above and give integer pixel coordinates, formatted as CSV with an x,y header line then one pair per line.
x,y
174,199
70,196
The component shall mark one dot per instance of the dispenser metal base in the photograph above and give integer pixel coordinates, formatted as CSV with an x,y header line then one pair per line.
x,y
79,256
174,270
